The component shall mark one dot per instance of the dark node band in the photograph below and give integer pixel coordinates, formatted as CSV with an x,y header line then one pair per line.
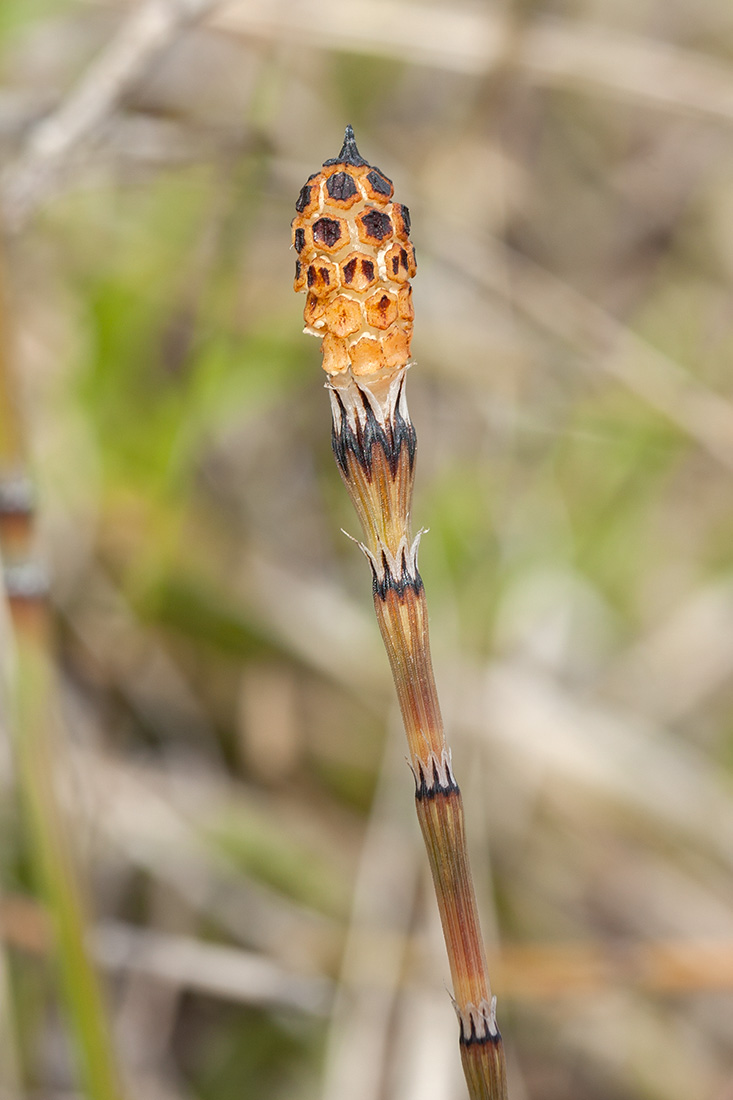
x,y
474,1040
360,441
384,580
429,784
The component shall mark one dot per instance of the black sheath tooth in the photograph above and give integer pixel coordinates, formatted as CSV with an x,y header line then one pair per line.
x,y
374,435
421,787
341,437
385,580
361,439
432,787
373,567
403,434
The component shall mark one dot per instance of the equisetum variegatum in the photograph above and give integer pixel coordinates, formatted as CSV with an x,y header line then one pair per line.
x,y
355,262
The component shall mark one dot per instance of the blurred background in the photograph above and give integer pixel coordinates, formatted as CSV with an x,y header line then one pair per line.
x,y
227,750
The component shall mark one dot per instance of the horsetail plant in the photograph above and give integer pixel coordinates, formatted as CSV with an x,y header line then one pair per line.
x,y
30,712
355,261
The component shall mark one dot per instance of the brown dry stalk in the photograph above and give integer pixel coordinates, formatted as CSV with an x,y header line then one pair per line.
x,y
355,261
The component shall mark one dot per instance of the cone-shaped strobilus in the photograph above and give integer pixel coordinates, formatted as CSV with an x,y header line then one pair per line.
x,y
355,261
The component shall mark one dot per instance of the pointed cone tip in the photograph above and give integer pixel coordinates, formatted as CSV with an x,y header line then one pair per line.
x,y
349,153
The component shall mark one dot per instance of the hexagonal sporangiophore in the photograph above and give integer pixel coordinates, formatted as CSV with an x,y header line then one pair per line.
x,y
374,226
322,278
298,235
411,260
396,347
358,271
329,234
308,199
404,303
397,263
313,312
401,220
367,356
343,316
376,185
335,354
342,190
381,309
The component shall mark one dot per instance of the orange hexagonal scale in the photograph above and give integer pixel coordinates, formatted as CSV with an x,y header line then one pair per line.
x,y
322,278
358,272
381,309
396,348
309,197
343,316
314,310
404,303
374,226
342,190
298,234
401,220
376,185
366,356
397,264
335,354
329,234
